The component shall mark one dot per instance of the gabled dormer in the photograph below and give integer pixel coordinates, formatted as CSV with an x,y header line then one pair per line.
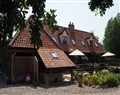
x,y
64,37
90,40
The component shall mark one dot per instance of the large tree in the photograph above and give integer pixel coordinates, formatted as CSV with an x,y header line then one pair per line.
x,y
100,6
12,18
112,35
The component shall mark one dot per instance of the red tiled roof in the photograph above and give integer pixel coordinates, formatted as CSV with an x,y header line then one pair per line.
x,y
77,35
22,40
50,62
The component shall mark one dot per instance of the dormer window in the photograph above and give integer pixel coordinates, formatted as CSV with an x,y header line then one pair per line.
x,y
82,42
96,44
73,42
91,43
64,39
54,39
54,55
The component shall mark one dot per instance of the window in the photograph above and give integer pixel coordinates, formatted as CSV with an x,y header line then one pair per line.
x,y
54,55
91,43
73,42
54,39
64,39
96,44
82,42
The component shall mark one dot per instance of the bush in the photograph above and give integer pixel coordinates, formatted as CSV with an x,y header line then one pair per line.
x,y
76,74
11,80
110,80
88,80
104,71
103,79
85,59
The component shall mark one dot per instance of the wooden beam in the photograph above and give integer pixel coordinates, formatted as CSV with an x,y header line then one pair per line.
x,y
12,63
37,68
71,72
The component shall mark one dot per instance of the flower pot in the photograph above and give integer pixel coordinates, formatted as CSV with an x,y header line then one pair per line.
x,y
80,81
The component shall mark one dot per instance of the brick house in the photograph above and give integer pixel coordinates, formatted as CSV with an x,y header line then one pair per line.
x,y
70,39
45,64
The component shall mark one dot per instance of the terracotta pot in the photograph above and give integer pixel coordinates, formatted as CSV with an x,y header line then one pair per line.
x,y
80,81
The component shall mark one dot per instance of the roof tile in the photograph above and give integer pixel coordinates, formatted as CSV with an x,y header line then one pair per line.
x,y
77,35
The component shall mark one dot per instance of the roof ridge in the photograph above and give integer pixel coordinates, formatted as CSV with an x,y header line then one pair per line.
x,y
74,29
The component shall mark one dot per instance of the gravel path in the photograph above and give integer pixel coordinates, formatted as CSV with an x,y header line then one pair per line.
x,y
59,89
72,89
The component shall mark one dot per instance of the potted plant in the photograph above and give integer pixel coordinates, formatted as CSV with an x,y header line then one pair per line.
x,y
80,79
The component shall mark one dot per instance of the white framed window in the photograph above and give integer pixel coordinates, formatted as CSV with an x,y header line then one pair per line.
x,y
54,55
73,42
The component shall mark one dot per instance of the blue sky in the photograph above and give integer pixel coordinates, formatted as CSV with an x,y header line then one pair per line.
x,y
78,12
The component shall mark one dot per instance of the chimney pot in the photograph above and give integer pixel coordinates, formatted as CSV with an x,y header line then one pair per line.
x,y
71,27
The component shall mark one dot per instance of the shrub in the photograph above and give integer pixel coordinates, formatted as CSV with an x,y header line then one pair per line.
x,y
77,74
11,80
88,80
104,71
110,80
103,79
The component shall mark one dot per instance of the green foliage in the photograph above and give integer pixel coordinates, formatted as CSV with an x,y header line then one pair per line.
x,y
104,72
104,78
77,74
113,59
80,74
100,6
110,80
96,66
112,36
90,79
12,18
11,80
84,59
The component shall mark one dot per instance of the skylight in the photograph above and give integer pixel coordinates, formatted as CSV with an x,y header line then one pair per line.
x,y
54,39
54,55
73,42
96,44
82,42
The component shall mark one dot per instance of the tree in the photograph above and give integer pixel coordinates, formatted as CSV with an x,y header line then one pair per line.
x,y
12,18
112,35
100,6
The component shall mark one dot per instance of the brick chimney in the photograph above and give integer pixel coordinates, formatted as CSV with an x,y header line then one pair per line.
x,y
71,27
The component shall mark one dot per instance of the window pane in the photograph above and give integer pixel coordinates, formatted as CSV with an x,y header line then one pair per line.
x,y
96,44
54,55
91,43
54,39
64,39
73,42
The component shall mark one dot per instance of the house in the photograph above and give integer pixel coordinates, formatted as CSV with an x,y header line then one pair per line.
x,y
70,39
45,64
